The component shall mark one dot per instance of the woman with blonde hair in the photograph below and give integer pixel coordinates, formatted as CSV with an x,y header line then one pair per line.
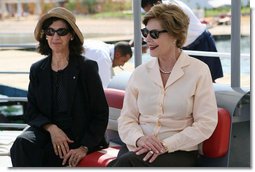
x,y
169,106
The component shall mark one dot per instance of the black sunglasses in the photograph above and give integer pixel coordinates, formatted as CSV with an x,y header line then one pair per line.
x,y
60,32
153,33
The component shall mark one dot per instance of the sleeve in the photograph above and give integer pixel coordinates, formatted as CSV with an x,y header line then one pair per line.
x,y
105,69
128,122
204,115
98,107
33,116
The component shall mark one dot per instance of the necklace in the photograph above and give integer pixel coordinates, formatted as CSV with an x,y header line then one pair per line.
x,y
164,72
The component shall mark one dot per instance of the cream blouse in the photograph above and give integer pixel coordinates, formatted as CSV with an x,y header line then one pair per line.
x,y
181,115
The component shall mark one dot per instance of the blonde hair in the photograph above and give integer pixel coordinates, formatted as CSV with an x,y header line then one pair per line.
x,y
172,18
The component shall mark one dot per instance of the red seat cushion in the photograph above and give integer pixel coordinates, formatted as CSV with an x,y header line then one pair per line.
x,y
217,145
114,97
99,158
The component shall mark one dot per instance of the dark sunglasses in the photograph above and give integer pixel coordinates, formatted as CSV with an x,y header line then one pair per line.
x,y
153,33
60,32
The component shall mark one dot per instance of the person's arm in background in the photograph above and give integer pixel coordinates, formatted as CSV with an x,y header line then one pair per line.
x,y
105,69
104,63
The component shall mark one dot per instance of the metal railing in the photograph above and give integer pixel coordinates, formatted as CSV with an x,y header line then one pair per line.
x,y
12,126
189,52
13,99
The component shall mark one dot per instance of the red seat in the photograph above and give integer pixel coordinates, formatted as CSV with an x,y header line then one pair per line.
x,y
103,157
114,97
218,144
214,147
99,158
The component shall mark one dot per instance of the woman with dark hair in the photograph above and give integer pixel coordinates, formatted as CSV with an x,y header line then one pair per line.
x,y
67,110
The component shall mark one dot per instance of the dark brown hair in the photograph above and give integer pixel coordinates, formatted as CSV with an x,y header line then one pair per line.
x,y
75,46
123,48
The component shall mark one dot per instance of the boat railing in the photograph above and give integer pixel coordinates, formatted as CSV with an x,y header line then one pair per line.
x,y
189,52
213,54
13,99
13,126
18,46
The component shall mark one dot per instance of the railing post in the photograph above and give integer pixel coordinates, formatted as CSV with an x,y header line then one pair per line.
x,y
235,42
137,34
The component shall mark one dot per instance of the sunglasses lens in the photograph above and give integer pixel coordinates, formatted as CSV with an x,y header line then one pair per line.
x,y
144,32
49,32
60,32
154,34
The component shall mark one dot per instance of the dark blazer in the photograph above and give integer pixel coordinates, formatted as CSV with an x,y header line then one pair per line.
x,y
86,100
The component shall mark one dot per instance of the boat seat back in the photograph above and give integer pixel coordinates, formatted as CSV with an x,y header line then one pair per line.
x,y
215,147
218,144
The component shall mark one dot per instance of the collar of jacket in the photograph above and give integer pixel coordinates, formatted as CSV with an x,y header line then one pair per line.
x,y
177,71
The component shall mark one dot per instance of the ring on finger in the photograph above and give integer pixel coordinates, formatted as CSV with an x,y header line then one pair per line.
x,y
58,146
151,152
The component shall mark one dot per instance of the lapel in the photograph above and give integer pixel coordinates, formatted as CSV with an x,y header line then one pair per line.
x,y
72,79
177,72
45,88
153,72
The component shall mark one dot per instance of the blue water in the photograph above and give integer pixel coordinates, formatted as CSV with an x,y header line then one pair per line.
x,y
224,46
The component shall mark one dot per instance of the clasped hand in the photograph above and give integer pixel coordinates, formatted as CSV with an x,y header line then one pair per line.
x,y
151,146
60,142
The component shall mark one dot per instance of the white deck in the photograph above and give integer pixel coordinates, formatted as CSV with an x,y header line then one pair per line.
x,y
6,141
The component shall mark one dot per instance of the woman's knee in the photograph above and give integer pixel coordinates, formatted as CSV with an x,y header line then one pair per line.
x,y
129,159
19,143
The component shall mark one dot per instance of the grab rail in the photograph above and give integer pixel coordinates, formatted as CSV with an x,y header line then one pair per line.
x,y
13,99
189,52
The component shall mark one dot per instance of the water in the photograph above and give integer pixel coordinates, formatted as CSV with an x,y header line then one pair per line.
x,y
225,46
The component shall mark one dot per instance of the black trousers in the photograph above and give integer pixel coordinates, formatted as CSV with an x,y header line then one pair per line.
x,y
33,148
176,159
